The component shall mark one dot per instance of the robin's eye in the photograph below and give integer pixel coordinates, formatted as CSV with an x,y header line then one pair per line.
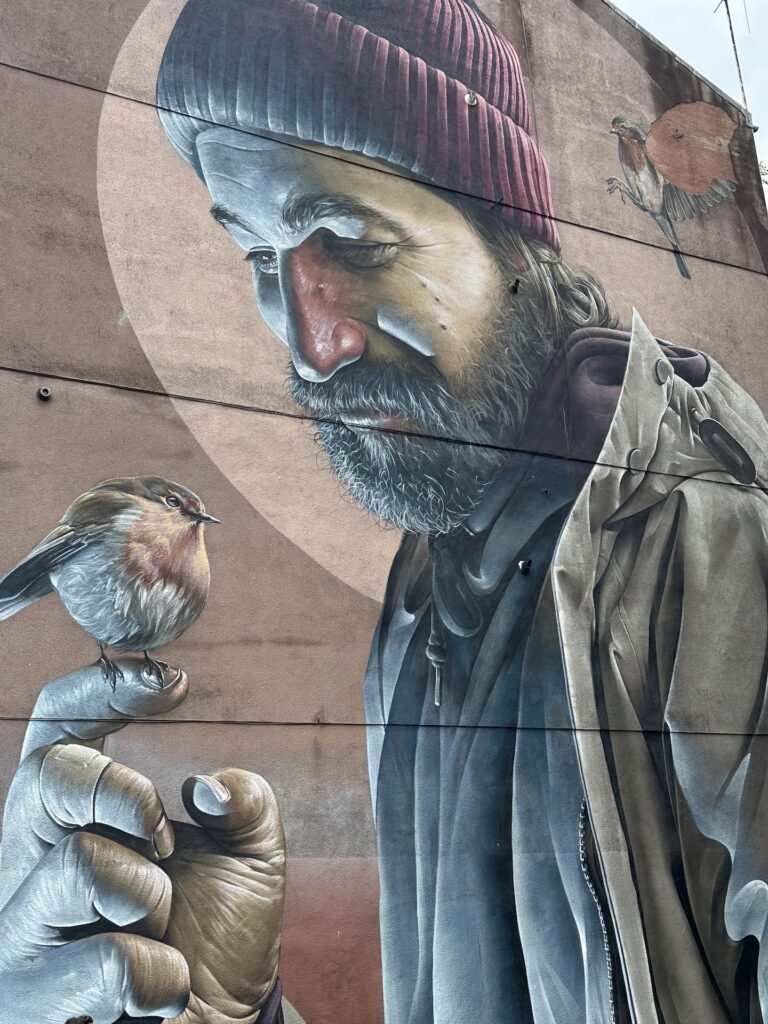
x,y
173,501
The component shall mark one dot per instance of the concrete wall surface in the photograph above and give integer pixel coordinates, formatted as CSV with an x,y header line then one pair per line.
x,y
383,578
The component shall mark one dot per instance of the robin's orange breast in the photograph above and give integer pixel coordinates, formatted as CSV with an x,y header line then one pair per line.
x,y
173,553
632,154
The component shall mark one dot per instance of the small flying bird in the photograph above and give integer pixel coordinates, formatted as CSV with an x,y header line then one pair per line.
x,y
128,561
672,170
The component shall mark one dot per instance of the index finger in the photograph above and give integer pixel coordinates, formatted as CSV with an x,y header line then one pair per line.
x,y
83,708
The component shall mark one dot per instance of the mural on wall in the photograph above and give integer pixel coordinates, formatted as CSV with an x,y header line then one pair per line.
x,y
566,687
679,169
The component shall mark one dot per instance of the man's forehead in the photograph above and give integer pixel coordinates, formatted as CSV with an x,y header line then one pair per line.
x,y
239,138
298,187
236,139
242,157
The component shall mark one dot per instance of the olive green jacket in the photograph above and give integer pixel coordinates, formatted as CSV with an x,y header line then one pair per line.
x,y
660,581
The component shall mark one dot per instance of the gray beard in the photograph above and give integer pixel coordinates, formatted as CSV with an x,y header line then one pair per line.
x,y
431,480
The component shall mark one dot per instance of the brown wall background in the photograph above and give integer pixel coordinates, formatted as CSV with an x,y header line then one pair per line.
x,y
108,244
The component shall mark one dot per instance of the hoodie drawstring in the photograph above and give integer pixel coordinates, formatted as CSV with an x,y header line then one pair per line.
x,y
436,653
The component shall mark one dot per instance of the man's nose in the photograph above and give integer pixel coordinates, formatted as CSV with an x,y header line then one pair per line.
x,y
319,296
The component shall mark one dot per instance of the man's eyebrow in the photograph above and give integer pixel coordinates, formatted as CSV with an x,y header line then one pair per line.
x,y
301,212
224,216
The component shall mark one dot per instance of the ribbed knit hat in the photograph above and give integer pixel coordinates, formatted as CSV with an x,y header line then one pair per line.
x,y
384,78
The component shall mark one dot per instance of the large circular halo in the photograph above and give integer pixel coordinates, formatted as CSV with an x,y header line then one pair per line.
x,y
188,298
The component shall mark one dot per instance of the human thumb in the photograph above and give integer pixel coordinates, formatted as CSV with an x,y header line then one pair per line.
x,y
239,812
239,809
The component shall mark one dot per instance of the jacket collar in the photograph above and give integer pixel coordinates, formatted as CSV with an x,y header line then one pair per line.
x,y
630,445
655,441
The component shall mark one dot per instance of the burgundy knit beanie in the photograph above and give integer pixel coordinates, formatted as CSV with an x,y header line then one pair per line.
x,y
384,78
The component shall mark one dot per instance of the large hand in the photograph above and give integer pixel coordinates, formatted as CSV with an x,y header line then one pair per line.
x,y
120,922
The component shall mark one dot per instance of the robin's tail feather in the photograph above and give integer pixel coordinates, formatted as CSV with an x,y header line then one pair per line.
x,y
682,266
666,226
30,580
10,605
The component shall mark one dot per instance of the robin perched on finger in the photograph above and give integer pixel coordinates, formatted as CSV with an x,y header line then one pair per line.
x,y
128,561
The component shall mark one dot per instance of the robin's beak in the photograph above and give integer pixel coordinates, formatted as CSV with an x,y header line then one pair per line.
x,y
614,131
203,517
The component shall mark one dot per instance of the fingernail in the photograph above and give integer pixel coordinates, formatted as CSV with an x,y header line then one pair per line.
x,y
177,676
150,679
163,839
210,795
169,679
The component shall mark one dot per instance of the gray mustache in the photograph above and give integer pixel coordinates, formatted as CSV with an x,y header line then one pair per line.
x,y
419,397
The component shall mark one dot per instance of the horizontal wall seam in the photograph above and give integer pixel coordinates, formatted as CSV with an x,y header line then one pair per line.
x,y
388,170
302,418
252,722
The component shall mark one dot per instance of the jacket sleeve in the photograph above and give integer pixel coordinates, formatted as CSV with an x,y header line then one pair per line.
x,y
717,706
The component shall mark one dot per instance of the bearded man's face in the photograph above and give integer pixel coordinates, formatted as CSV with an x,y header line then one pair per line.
x,y
407,346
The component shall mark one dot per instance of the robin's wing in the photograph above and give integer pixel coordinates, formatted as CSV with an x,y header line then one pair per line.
x,y
30,579
681,205
690,148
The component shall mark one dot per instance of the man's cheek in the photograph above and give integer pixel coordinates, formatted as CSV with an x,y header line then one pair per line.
x,y
422,310
270,302
412,330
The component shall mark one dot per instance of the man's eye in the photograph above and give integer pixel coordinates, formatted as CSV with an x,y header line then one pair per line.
x,y
265,260
364,255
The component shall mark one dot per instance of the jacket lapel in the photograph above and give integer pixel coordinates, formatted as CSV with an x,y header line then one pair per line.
x,y
626,453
